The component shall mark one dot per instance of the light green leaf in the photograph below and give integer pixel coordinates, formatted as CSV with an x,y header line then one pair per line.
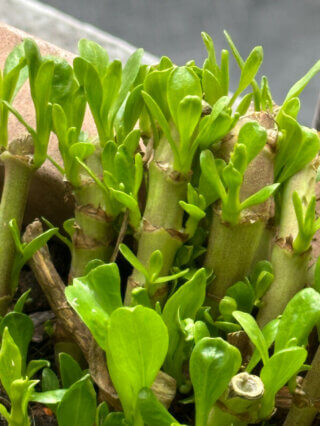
x,y
155,264
132,259
48,397
182,82
133,108
155,84
70,370
253,137
269,332
188,116
275,374
299,317
129,74
260,196
35,365
185,303
213,363
211,174
298,87
95,54
21,328
254,333
82,150
244,104
158,115
19,305
211,50
49,380
71,410
249,70
211,87
137,346
111,85
10,361
152,411
94,297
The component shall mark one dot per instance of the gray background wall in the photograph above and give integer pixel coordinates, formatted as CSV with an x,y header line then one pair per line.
x,y
289,30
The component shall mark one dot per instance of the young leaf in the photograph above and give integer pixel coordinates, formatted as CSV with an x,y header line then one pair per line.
x,y
51,397
70,370
299,317
249,71
211,50
185,302
49,380
95,54
224,75
253,137
240,62
137,346
298,87
182,82
19,305
35,365
10,361
111,85
155,84
21,328
269,332
243,293
157,114
115,419
155,264
276,373
260,196
152,411
129,74
210,172
189,112
133,108
133,260
244,104
211,87
254,333
78,405
213,363
94,297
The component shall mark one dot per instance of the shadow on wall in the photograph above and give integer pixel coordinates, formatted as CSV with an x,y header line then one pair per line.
x,y
289,31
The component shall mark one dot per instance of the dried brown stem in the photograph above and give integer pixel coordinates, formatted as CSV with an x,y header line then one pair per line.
x,y
53,287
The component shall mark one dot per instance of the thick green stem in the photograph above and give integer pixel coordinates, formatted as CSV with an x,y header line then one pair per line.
x,y
162,221
304,416
290,271
290,268
94,231
231,250
93,235
18,173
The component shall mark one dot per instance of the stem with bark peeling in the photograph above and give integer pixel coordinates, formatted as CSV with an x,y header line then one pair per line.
x,y
18,173
162,221
290,268
93,226
233,248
